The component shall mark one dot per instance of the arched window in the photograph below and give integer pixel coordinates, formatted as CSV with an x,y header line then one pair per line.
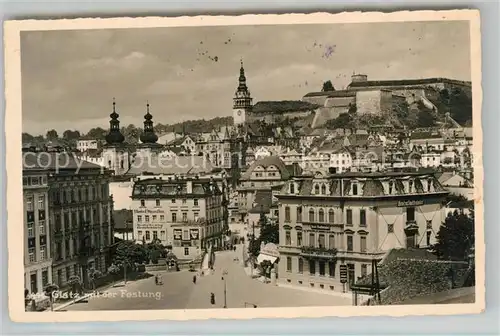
x,y
287,214
316,189
331,216
323,189
311,215
299,214
321,215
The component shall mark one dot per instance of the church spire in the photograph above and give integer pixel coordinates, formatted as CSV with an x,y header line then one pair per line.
x,y
148,136
114,137
242,98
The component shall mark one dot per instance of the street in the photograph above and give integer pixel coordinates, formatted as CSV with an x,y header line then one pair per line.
x,y
179,292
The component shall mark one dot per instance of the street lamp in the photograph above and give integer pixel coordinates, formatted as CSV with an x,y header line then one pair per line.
x,y
224,273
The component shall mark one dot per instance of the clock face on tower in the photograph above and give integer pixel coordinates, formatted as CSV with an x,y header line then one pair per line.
x,y
239,112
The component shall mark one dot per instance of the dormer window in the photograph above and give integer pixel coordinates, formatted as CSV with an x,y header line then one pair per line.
x,y
292,188
316,189
355,189
323,189
391,185
410,186
429,184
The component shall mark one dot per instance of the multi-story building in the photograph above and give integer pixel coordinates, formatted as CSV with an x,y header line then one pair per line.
x,y
351,219
37,251
85,143
78,211
186,213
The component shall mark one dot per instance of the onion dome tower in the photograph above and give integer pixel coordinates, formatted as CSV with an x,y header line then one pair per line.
x,y
114,137
148,136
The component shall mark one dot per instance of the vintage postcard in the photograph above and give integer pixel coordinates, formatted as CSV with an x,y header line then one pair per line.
x,y
299,165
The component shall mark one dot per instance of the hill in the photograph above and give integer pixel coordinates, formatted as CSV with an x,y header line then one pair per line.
x,y
195,126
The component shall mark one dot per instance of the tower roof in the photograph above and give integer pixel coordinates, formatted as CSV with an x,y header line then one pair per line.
x,y
148,136
114,137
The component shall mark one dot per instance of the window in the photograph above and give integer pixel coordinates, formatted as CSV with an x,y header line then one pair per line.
x,y
321,215
312,267
288,238
139,218
355,189
174,217
35,180
364,270
41,202
139,234
184,217
301,265
29,203
322,268
155,235
41,227
31,233
143,203
43,251
428,238
362,217
331,216
391,185
299,238
331,241
148,235
184,201
25,181
390,228
287,214
410,214
331,268
292,188
196,215
323,189
186,251
45,277
288,264
299,214
362,244
311,239
31,254
321,240
146,218
316,189
350,245
311,215
349,217
173,200
162,235
157,202
195,201
410,186
162,218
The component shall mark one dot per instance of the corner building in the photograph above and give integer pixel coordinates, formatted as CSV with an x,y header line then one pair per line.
x,y
186,213
329,220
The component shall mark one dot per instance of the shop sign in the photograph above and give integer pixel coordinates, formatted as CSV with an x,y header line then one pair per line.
x,y
149,211
410,203
177,234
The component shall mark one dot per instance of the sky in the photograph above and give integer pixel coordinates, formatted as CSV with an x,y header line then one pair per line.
x,y
69,78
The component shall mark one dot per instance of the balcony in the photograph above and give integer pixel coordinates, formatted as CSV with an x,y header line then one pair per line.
x,y
318,252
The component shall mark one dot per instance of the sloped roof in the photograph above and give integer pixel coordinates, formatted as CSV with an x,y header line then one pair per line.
x,y
180,165
266,162
53,161
263,201
403,82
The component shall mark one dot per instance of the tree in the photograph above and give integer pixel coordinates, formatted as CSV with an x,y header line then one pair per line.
x,y
455,237
425,118
71,135
26,137
97,133
328,86
269,233
344,120
94,275
52,135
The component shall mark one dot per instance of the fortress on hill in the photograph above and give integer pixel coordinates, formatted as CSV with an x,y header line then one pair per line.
x,y
376,97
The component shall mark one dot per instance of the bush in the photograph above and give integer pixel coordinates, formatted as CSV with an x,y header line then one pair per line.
x,y
114,269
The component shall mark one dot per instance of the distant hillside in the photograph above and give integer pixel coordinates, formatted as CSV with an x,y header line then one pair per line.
x,y
282,106
195,126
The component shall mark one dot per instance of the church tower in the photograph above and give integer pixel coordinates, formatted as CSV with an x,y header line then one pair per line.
x,y
242,101
115,152
148,138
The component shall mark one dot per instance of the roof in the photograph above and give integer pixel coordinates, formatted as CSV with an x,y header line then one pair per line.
x,y
403,82
266,162
174,187
121,218
167,165
425,135
263,201
284,106
332,94
55,161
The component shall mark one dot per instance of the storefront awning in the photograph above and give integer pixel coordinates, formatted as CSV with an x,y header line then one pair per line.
x,y
263,257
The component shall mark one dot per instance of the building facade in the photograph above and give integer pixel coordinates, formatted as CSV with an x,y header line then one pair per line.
x,y
37,249
186,213
352,219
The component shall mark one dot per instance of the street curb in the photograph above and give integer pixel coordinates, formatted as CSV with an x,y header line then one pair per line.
x,y
64,305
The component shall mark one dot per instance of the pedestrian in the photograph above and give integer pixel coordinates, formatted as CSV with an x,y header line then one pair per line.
x,y
156,279
194,279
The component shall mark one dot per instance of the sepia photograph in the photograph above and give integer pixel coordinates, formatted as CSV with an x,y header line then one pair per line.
x,y
318,161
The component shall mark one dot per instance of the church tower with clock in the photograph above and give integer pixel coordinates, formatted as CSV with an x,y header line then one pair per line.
x,y
242,101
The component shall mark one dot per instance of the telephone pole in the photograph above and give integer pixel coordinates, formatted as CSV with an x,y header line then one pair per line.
x,y
224,273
